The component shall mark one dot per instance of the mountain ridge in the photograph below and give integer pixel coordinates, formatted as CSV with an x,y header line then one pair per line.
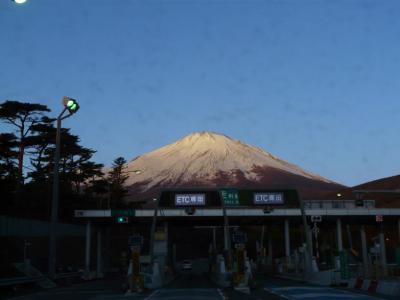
x,y
212,159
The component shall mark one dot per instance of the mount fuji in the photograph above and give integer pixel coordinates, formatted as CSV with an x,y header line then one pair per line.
x,y
208,159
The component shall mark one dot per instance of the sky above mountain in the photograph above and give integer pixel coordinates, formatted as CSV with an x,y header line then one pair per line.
x,y
314,82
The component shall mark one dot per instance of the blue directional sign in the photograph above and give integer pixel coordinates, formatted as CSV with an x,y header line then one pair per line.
x,y
190,199
268,198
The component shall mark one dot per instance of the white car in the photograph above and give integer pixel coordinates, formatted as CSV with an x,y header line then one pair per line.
x,y
186,265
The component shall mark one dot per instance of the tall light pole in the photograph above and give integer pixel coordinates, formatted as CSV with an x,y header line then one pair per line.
x,y
72,107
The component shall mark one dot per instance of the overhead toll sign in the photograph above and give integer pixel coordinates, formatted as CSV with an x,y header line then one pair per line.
x,y
190,199
268,198
230,197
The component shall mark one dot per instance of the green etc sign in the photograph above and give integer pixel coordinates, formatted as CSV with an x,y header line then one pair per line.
x,y
230,197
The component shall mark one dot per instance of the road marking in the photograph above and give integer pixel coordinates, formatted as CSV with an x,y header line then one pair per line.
x,y
152,294
303,292
323,295
289,288
221,293
186,294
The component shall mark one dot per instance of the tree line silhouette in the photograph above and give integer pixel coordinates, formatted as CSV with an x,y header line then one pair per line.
x,y
27,147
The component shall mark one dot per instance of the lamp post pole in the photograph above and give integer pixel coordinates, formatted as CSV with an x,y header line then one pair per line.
x,y
72,107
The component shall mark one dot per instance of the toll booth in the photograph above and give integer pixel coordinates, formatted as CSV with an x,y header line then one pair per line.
x,y
271,218
191,206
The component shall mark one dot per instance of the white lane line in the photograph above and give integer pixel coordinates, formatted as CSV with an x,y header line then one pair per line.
x,y
309,294
290,288
185,297
221,294
152,294
278,294
366,296
319,295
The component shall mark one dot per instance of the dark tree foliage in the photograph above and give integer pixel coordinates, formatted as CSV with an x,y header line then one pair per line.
x,y
98,189
22,116
117,177
8,154
8,165
81,180
43,136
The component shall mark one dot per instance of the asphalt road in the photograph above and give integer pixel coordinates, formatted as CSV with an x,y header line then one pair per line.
x,y
197,287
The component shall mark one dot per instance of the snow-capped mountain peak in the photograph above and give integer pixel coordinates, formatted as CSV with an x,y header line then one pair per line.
x,y
200,157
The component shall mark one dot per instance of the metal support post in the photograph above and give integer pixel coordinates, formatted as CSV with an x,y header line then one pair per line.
x,y
99,254
270,248
364,252
214,239
153,231
287,238
308,239
339,234
398,226
55,197
382,248
54,203
87,249
227,244
166,237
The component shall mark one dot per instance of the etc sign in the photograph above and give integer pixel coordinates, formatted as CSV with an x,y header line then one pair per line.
x,y
190,199
268,198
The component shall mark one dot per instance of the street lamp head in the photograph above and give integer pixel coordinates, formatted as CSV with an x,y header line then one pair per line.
x,y
19,1
71,104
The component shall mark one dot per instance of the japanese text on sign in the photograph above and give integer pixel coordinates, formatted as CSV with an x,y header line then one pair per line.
x,y
268,198
190,199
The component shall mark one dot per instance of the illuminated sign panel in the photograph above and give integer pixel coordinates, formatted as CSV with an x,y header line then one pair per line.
x,y
268,198
190,199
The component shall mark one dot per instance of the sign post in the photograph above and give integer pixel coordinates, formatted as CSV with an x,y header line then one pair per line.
x,y
227,242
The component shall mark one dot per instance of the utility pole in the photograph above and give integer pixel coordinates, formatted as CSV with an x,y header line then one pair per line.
x,y
72,106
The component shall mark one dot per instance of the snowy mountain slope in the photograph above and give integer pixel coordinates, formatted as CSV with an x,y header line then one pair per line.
x,y
210,159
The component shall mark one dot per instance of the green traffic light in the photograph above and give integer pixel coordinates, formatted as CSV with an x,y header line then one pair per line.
x,y
73,106
71,103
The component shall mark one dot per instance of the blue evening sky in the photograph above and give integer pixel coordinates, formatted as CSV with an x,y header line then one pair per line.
x,y
316,83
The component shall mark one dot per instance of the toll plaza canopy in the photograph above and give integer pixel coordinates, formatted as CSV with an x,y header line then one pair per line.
x,y
242,205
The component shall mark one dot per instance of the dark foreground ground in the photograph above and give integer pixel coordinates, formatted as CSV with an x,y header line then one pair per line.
x,y
196,287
